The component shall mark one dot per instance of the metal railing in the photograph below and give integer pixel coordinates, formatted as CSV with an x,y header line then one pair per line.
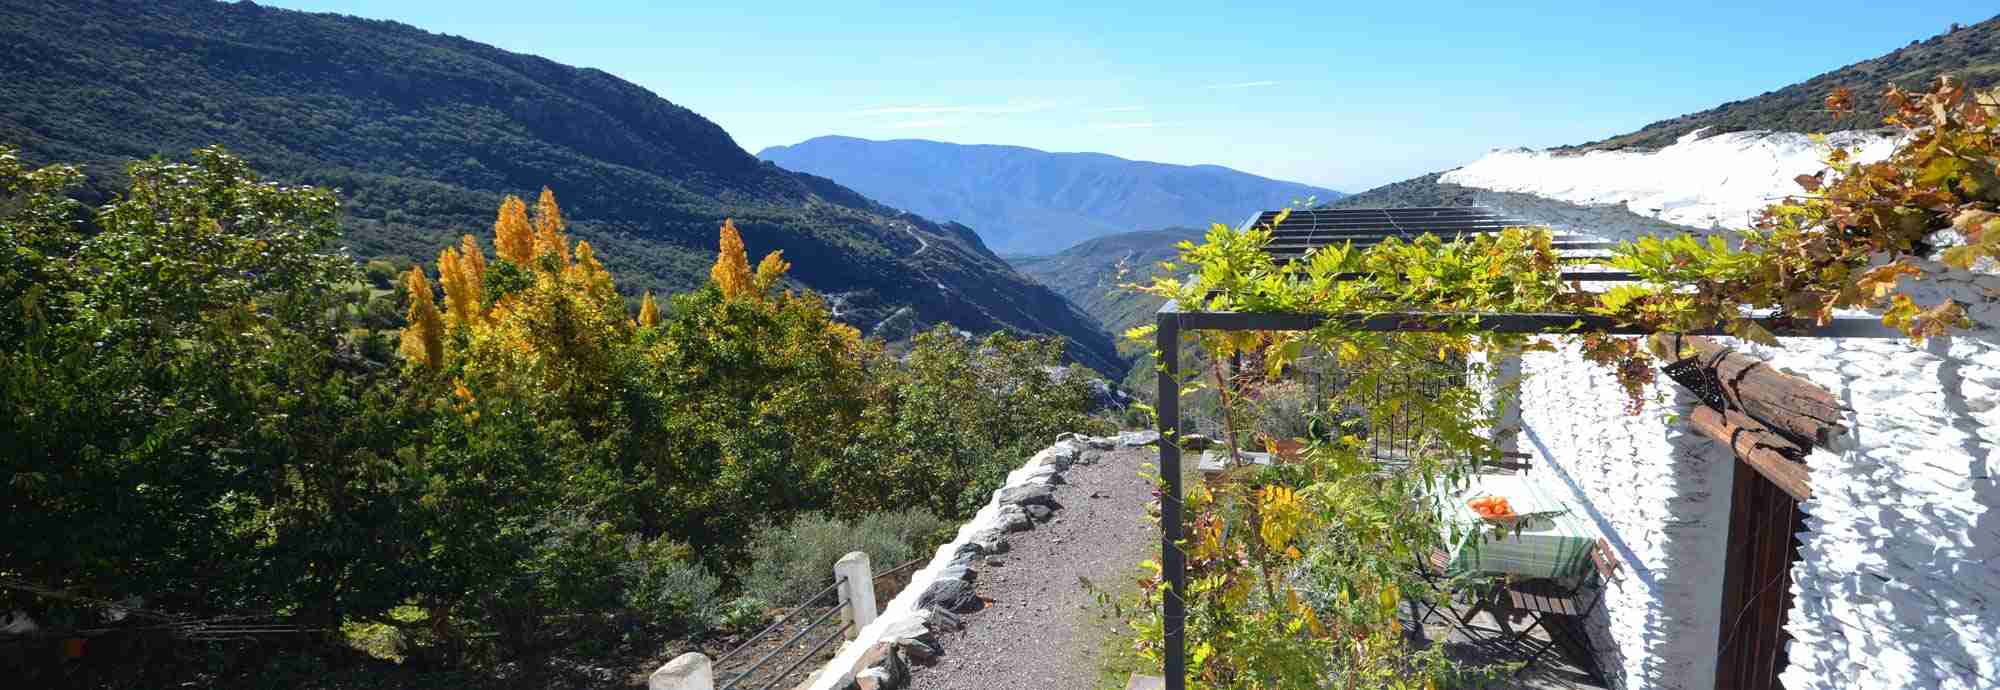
x,y
746,678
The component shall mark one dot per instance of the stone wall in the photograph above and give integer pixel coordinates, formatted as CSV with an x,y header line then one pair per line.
x,y
1899,576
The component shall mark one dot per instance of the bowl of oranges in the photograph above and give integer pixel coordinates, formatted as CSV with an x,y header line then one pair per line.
x,y
1493,509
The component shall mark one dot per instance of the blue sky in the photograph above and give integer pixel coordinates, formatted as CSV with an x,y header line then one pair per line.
x,y
1343,96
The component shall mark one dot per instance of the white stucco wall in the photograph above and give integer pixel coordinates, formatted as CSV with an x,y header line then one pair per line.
x,y
1650,486
1898,585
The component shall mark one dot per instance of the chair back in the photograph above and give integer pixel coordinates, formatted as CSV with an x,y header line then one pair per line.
x,y
1607,563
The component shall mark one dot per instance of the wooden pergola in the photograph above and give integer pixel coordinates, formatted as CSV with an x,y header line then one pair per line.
x,y
1770,447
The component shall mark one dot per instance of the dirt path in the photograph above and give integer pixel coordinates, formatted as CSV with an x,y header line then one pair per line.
x,y
1042,628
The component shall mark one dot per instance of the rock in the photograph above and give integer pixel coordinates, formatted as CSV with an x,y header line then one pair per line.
x,y
1028,494
1196,442
1014,519
1101,442
881,668
1060,456
1089,457
690,671
953,596
970,548
995,561
958,572
1134,439
919,651
1040,513
1043,474
991,542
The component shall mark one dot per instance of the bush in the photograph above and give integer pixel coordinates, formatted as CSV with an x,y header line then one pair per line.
x,y
795,560
680,596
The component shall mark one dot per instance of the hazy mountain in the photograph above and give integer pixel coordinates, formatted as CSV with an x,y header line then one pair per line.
x,y
1089,273
423,133
1025,201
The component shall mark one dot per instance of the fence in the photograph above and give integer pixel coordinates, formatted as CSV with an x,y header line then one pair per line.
x,y
851,596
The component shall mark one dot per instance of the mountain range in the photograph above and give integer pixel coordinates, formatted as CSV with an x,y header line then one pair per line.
x,y
1025,201
1970,52
424,133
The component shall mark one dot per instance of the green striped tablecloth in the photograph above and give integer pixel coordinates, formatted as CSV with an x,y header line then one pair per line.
x,y
1552,541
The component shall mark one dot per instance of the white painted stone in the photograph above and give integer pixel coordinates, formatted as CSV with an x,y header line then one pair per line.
x,y
857,591
690,671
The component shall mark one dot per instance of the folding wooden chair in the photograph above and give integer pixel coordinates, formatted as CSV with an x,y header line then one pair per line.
x,y
1436,570
1544,600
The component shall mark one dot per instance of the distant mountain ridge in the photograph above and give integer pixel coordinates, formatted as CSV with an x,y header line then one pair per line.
x,y
423,133
1027,201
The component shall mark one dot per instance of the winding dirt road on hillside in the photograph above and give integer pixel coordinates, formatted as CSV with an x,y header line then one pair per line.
x,y
1044,628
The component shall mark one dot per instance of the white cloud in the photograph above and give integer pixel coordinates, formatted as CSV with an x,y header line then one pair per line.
x,y
1003,109
1117,109
1242,85
923,124
1147,124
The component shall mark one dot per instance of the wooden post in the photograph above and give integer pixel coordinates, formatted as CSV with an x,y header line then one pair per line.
x,y
1173,563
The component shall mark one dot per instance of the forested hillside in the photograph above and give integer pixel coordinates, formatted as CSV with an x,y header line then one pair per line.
x,y
1027,201
424,133
224,467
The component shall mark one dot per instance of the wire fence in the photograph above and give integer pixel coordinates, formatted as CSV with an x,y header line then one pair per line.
x,y
801,646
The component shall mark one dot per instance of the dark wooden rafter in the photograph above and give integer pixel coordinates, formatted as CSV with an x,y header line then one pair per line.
x,y
1772,455
1788,404
1770,418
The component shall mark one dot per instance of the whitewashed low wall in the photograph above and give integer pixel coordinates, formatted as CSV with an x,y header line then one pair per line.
x,y
1898,585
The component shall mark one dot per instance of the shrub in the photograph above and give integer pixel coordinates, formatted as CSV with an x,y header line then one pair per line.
x,y
794,560
680,596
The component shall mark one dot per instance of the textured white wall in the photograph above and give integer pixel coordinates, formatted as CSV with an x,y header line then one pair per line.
x,y
1898,585
1658,493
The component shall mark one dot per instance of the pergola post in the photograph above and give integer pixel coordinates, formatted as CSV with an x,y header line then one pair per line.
x,y
1173,562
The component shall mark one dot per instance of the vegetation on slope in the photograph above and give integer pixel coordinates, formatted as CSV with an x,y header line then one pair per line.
x,y
1023,200
206,420
1970,53
424,133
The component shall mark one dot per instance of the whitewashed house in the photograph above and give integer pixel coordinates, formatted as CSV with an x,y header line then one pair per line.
x,y
1887,575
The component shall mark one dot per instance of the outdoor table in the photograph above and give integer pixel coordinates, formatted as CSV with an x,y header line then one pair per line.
x,y
1550,540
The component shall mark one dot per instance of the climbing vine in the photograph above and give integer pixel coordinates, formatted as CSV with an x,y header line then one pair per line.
x,y
1297,570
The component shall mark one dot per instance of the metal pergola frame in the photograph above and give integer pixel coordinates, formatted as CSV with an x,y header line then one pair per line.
x,y
1172,320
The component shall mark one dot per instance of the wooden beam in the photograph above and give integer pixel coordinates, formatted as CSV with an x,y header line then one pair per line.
x,y
1789,404
1771,454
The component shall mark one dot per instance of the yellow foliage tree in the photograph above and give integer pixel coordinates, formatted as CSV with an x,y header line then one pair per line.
x,y
771,270
513,238
649,311
549,238
462,272
732,265
423,339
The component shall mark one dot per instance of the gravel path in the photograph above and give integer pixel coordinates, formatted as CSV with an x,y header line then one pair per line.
x,y
1041,627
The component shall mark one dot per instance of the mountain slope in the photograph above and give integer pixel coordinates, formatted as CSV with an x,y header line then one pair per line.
x,y
1025,201
1088,274
1971,53
423,133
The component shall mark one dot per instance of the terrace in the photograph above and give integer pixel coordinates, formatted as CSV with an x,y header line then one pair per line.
x,y
1548,612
